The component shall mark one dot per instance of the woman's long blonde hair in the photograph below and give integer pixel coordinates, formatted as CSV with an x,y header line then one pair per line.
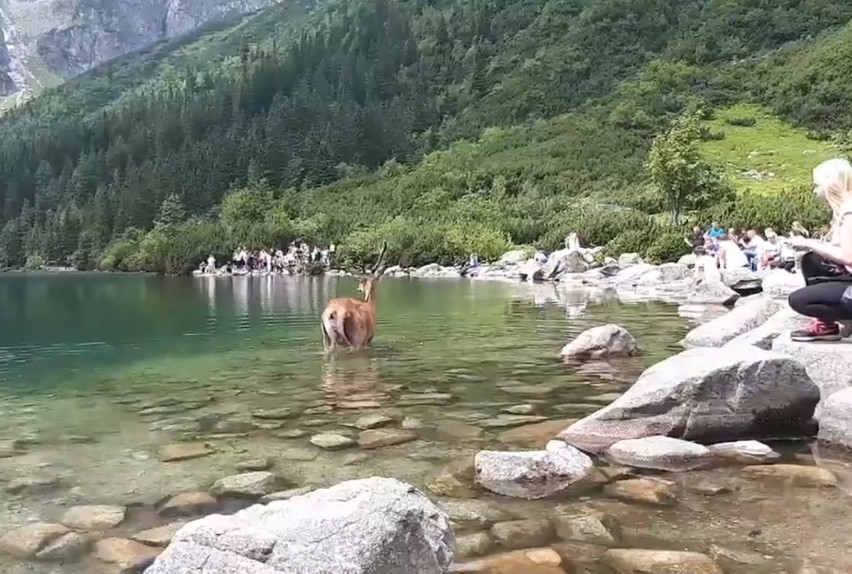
x,y
833,182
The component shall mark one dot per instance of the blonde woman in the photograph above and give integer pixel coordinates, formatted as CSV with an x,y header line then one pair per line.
x,y
827,267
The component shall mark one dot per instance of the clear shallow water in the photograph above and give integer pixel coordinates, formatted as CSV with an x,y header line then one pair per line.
x,y
100,371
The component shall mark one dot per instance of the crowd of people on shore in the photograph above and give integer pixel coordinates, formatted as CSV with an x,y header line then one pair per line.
x,y
730,249
298,257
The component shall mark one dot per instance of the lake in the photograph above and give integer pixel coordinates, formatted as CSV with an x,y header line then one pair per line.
x,y
106,376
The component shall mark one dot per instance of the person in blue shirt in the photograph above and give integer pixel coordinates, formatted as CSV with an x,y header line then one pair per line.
x,y
715,231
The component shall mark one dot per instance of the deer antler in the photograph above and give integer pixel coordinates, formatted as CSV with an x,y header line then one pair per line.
x,y
379,261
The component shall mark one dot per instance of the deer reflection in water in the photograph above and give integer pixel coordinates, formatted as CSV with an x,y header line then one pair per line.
x,y
353,382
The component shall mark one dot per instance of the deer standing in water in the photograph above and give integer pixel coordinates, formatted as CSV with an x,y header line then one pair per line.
x,y
352,322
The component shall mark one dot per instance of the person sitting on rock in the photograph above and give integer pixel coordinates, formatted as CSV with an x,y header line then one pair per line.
x,y
730,255
706,269
827,265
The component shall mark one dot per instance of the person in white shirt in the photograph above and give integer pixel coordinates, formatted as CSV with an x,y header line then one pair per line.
x,y
730,254
706,268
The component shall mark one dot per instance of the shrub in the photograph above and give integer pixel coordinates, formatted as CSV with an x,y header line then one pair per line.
x,y
742,121
668,245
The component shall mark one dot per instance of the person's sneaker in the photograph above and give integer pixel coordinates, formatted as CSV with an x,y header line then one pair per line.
x,y
817,331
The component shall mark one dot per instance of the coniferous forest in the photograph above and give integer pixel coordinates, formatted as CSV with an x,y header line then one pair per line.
x,y
442,126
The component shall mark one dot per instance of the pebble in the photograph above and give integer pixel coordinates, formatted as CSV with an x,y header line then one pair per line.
x,y
33,484
273,414
371,422
332,441
254,464
596,528
183,451
412,423
634,561
377,438
517,534
295,433
159,536
520,409
248,485
188,504
421,399
93,517
538,391
459,431
26,541
707,488
530,561
67,548
473,545
358,405
128,555
652,491
507,421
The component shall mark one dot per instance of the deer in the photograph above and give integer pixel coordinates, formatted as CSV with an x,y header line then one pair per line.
x,y
349,321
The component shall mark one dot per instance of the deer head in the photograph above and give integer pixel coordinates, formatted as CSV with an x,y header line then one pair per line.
x,y
367,281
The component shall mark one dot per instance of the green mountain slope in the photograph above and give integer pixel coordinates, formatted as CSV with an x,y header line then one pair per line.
x,y
341,122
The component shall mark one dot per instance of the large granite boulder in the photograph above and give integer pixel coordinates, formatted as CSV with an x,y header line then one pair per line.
x,y
532,474
711,293
779,283
762,336
835,423
626,259
706,395
829,365
630,275
565,261
674,272
604,341
739,320
369,526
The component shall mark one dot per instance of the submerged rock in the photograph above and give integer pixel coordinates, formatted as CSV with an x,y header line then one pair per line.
x,y
159,536
706,395
188,504
795,474
365,526
828,364
183,451
254,464
474,514
274,414
26,541
372,421
127,555
634,561
517,534
530,561
67,548
332,441
473,545
660,453
653,491
248,485
378,438
93,517
10,448
595,528
744,452
739,320
531,475
508,421
604,341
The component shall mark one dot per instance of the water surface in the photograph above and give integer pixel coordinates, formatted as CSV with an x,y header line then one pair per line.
x,y
100,371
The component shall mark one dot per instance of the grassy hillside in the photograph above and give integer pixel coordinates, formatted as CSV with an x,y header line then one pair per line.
x,y
452,125
761,152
